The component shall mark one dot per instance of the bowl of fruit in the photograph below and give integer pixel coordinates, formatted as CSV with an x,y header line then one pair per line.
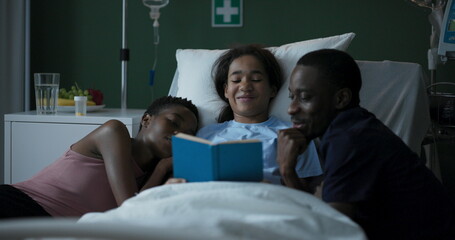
x,y
66,99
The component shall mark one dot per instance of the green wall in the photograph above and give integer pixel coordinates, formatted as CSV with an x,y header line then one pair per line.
x,y
81,39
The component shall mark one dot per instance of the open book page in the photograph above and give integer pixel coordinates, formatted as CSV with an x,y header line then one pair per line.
x,y
201,140
193,138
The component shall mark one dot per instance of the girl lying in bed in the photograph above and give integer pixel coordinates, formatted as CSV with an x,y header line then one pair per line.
x,y
103,169
247,78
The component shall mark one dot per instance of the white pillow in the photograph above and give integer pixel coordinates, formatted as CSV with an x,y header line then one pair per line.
x,y
194,74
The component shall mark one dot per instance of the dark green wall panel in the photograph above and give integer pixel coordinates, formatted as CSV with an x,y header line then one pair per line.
x,y
81,39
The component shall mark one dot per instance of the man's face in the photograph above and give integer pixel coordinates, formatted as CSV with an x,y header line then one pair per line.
x,y
313,101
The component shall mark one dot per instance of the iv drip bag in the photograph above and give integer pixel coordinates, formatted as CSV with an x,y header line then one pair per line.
x,y
155,6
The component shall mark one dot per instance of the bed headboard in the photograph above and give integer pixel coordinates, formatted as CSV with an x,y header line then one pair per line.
x,y
393,91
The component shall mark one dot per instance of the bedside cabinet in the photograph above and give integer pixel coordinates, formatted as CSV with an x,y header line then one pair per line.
x,y
34,141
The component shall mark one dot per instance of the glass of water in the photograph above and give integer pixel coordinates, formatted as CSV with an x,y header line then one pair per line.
x,y
46,92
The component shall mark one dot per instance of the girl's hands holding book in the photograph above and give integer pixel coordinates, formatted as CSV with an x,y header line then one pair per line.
x,y
175,180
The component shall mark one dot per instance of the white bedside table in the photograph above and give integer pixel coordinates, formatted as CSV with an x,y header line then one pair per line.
x,y
34,141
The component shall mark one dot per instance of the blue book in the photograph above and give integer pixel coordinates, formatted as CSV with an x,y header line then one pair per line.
x,y
196,159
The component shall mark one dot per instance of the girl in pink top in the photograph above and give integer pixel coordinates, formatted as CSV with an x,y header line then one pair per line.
x,y
103,169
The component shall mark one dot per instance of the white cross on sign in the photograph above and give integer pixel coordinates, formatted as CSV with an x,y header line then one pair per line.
x,y
227,13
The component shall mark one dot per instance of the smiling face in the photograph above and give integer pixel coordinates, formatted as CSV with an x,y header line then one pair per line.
x,y
314,101
248,90
158,129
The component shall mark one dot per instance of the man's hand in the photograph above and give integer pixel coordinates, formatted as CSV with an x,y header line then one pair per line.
x,y
291,143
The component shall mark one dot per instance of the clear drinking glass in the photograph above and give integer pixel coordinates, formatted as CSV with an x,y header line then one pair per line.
x,y
46,92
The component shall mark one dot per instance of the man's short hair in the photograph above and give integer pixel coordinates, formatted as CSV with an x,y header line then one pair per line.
x,y
338,67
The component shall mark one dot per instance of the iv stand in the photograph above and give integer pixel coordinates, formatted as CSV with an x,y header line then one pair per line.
x,y
124,55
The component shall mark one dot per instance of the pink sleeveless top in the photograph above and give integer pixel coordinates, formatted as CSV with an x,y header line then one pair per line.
x,y
72,186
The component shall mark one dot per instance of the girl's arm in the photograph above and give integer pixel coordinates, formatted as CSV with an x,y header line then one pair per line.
x,y
160,174
111,142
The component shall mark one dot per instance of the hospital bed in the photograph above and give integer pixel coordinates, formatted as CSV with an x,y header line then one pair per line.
x,y
393,91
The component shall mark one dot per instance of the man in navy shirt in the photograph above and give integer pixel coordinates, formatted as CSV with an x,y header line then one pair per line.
x,y
370,174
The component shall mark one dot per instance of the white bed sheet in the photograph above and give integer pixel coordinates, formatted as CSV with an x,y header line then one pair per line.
x,y
231,210
396,93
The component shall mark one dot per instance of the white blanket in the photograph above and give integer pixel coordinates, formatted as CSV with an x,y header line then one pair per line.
x,y
231,210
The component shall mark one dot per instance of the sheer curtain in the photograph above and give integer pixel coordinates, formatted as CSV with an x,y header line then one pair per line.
x,y
14,63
